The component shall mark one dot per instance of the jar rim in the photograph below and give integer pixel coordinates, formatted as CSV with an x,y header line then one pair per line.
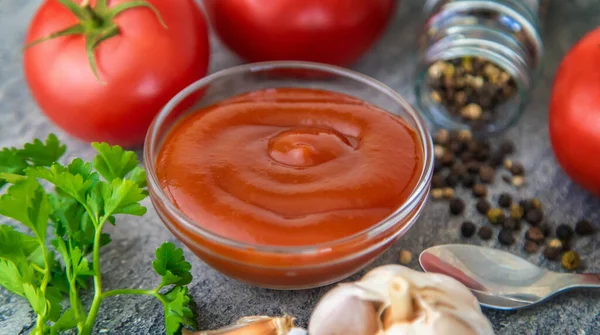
x,y
152,145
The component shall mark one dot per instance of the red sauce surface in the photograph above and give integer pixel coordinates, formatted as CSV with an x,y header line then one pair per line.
x,y
289,167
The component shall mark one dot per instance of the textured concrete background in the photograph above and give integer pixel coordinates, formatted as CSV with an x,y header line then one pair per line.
x,y
127,261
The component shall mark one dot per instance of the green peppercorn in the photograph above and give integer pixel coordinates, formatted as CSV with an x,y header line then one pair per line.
x,y
516,212
495,215
570,260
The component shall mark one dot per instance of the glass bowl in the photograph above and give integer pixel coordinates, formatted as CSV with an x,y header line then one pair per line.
x,y
296,267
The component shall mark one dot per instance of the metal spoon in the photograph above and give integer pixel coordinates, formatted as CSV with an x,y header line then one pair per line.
x,y
500,279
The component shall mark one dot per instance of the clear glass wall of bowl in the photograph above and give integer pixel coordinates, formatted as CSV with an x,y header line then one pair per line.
x,y
286,267
504,33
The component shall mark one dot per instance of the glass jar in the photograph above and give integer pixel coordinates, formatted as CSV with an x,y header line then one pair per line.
x,y
478,62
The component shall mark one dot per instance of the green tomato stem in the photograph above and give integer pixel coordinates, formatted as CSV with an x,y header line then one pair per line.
x,y
96,24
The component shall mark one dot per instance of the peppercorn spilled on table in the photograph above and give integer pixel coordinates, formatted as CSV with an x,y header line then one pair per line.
x,y
480,209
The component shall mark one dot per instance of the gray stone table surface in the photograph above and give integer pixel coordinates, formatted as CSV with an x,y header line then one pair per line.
x,y
127,261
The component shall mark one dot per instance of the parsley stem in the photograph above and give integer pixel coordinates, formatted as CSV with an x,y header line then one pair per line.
x,y
89,323
41,319
37,268
130,292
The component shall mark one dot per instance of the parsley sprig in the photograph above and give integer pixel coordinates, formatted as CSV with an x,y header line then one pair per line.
x,y
59,254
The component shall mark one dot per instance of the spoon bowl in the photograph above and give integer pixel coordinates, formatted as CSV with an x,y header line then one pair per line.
x,y
499,279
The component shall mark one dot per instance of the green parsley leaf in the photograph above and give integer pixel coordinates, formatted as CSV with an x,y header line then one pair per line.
x,y
54,296
177,312
66,321
59,278
14,162
11,163
71,184
171,265
80,264
138,176
36,299
43,154
96,197
11,278
84,169
11,178
27,203
124,198
16,246
113,162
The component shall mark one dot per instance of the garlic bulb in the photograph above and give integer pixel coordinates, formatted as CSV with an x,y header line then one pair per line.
x,y
256,325
395,300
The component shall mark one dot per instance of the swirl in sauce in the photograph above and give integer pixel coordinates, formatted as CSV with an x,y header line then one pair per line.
x,y
289,166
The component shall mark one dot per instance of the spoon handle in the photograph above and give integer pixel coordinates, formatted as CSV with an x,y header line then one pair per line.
x,y
582,280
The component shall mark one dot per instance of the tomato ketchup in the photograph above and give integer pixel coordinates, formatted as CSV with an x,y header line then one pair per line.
x,y
287,167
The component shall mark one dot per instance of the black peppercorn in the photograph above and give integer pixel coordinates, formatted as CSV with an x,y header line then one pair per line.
x,y
485,233
509,223
468,181
504,200
466,157
531,247
517,169
457,147
546,229
534,216
496,160
552,253
438,181
467,229
584,227
526,205
479,190
457,206
487,174
483,206
473,167
564,232
484,144
472,147
451,180
459,169
437,166
482,154
505,237
507,147
448,158
535,235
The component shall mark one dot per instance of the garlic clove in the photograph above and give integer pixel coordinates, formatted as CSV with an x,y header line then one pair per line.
x,y
395,300
255,325
345,310
401,301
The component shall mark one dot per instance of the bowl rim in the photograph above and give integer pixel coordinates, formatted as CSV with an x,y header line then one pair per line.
x,y
151,146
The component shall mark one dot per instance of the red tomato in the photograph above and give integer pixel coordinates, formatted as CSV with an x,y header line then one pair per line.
x,y
328,31
142,67
575,113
